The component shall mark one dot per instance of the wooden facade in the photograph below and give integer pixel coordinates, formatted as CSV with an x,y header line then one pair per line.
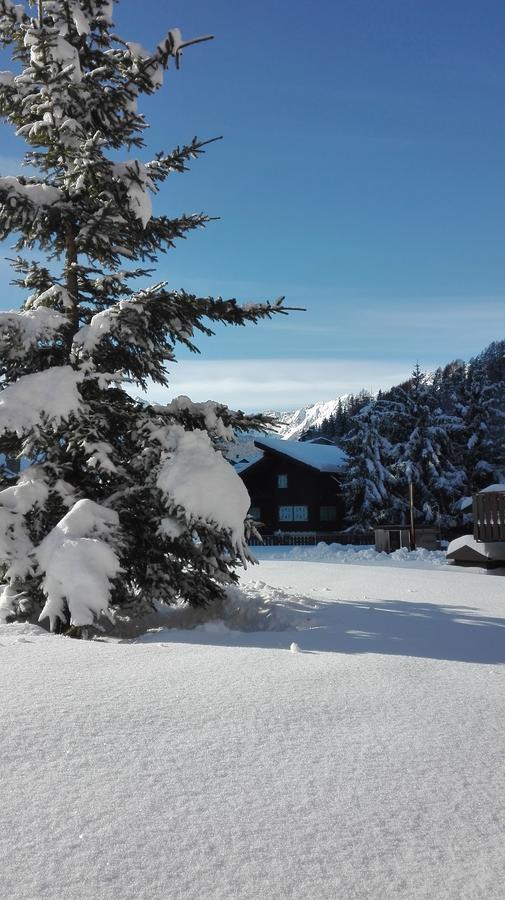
x,y
288,495
489,516
486,547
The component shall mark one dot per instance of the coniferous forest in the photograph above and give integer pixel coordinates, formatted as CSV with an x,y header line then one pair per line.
x,y
442,431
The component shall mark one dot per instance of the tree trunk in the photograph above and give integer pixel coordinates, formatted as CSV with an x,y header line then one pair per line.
x,y
72,283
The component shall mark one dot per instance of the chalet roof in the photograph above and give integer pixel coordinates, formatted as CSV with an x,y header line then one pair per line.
x,y
246,461
322,457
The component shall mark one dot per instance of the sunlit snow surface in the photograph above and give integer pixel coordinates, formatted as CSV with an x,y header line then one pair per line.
x,y
223,763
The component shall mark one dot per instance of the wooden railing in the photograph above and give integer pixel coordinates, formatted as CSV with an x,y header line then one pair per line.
x,y
489,517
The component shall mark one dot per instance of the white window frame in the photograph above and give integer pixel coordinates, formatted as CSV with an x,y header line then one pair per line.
x,y
282,481
285,513
301,513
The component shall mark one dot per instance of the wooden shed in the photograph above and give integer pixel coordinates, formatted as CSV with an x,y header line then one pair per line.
x,y
389,538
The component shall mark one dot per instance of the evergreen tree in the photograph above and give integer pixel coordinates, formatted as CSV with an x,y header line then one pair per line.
x,y
448,386
481,439
123,503
368,481
423,451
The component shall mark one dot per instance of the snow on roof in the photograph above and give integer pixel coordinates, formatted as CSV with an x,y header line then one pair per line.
x,y
246,462
492,550
493,489
323,457
466,502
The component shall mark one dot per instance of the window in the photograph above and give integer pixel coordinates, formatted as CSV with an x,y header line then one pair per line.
x,y
327,513
282,481
293,513
255,513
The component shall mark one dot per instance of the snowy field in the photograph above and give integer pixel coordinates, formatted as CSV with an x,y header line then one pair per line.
x,y
365,761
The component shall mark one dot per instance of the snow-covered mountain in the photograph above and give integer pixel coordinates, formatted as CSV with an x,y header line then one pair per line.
x,y
292,424
289,428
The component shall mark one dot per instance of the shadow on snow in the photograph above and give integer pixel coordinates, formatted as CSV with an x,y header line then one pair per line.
x,y
398,628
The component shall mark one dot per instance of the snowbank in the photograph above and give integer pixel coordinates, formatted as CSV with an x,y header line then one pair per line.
x,y
352,553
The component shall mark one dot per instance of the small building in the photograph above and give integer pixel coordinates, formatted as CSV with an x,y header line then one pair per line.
x,y
295,486
389,538
487,544
488,509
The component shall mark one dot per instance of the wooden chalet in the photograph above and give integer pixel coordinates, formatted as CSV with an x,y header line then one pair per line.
x,y
295,486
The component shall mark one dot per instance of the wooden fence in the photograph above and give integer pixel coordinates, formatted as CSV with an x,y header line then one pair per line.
x,y
489,517
310,539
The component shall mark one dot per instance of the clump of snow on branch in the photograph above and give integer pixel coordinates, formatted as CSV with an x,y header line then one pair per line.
x,y
151,64
208,410
56,293
50,395
79,565
16,546
80,20
36,193
135,175
55,49
196,477
23,330
102,323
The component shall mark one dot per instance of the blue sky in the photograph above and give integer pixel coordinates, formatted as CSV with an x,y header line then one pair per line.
x,y
361,174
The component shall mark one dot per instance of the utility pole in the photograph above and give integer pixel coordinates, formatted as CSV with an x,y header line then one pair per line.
x,y
412,526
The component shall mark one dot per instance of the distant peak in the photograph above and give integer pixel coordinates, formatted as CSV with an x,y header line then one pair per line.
x,y
292,424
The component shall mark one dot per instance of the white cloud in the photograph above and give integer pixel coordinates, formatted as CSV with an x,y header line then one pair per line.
x,y
261,384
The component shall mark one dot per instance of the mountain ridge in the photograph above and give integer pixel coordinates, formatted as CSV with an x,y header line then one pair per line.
x,y
292,424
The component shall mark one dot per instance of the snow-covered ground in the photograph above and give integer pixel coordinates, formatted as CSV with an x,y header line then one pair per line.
x,y
353,747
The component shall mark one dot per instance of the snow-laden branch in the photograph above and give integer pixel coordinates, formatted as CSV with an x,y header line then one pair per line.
x,y
20,331
200,484
78,564
16,545
11,16
29,207
36,193
139,334
45,398
137,180
218,420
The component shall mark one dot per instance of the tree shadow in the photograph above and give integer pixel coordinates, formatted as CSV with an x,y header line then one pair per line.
x,y
395,628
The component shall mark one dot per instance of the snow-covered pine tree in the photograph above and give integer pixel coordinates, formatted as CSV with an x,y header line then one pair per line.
x,y
368,482
423,452
121,503
482,413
